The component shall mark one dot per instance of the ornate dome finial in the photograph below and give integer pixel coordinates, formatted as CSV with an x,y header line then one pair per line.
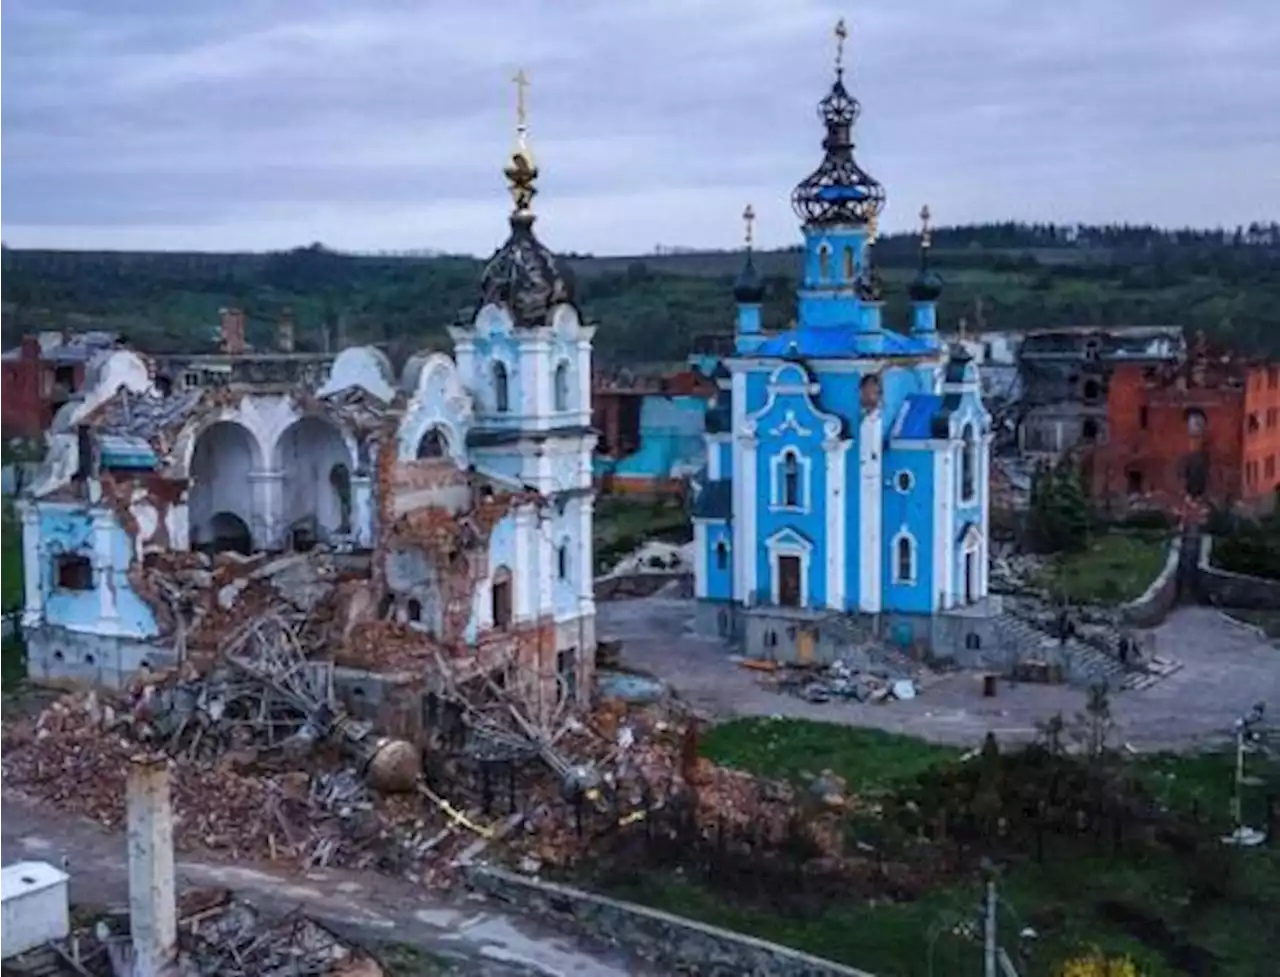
x,y
926,286
838,191
748,289
521,171
524,275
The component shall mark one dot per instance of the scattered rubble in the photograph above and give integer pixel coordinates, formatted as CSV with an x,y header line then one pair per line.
x,y
838,680
217,937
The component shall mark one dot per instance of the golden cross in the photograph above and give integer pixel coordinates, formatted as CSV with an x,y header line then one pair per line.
x,y
749,218
842,35
926,234
521,82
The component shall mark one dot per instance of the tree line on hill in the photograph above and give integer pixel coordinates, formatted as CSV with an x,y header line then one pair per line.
x,y
998,276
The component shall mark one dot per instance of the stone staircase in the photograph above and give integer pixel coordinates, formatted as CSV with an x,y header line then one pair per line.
x,y
1083,662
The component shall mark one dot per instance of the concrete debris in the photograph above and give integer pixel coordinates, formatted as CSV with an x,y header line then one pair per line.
x,y
217,937
840,680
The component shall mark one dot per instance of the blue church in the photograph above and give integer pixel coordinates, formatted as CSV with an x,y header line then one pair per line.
x,y
845,492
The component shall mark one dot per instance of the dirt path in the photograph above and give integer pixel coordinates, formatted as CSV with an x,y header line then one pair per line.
x,y
1227,667
484,942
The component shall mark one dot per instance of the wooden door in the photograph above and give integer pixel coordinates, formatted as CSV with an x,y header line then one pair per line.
x,y
789,581
804,647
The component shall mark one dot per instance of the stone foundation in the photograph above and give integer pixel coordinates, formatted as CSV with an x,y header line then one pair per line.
x,y
57,654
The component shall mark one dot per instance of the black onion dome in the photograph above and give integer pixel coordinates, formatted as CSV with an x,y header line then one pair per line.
x,y
839,191
526,276
748,289
925,287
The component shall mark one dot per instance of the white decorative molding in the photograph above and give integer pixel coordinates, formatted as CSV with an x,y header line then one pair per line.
x,y
788,543
947,516
903,481
699,559
870,496
790,423
777,482
941,544
32,567
744,544
836,504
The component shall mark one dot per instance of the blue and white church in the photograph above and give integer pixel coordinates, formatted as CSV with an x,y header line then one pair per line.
x,y
846,477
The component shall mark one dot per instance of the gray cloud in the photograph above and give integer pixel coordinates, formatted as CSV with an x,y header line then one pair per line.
x,y
269,123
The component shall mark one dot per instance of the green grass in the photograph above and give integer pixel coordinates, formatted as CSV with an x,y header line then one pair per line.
x,y
624,524
1111,569
1068,898
10,559
406,960
794,749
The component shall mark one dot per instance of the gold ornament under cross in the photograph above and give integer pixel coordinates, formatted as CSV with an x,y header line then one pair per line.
x,y
926,232
749,219
842,35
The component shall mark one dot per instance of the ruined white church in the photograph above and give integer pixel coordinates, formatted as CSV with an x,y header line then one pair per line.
x,y
459,494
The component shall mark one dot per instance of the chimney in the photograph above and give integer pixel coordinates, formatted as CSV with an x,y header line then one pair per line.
x,y
285,331
231,332
153,915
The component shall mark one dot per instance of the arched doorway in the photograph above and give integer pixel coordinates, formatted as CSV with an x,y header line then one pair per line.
x,y
230,532
317,502
224,456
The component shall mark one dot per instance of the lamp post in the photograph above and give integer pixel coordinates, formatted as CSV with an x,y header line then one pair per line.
x,y
1248,731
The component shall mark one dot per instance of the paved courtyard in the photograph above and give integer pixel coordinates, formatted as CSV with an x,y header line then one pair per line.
x,y
1227,667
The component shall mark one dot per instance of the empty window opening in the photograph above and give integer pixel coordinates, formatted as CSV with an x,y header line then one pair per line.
x,y
1092,391
1133,482
722,555
968,464
562,387
501,599
906,560
562,562
340,482
433,444
414,609
848,264
791,480
1089,430
501,393
972,641
824,263
73,571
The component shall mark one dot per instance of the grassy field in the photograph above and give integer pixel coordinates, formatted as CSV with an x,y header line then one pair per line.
x,y
1205,912
623,524
1113,568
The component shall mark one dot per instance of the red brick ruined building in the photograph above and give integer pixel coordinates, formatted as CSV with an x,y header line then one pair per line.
x,y
42,374
1180,437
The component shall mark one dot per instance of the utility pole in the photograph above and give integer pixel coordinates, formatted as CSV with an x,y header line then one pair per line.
x,y
989,935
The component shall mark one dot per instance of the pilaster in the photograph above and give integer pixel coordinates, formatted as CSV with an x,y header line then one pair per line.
x,y
699,559
870,497
362,510
267,489
32,565
104,571
837,459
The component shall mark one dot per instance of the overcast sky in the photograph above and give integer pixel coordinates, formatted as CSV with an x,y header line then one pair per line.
x,y
379,124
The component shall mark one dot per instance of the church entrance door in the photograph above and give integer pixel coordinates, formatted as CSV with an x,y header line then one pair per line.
x,y
789,581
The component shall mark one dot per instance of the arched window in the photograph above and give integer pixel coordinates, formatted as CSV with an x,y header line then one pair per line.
x,y
824,263
414,609
791,480
501,395
433,444
968,464
562,561
848,264
904,566
562,387
722,555
501,598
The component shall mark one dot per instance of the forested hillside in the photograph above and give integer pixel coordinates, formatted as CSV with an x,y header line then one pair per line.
x,y
998,276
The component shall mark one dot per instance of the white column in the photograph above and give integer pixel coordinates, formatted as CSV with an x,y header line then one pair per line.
x,y
941,549
947,516
699,559
713,458
362,510
984,499
545,541
104,525
586,556
870,497
836,455
745,543
524,572
584,380
153,916
32,566
266,521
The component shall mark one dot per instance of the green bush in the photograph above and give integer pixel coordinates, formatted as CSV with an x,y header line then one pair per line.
x,y
1254,549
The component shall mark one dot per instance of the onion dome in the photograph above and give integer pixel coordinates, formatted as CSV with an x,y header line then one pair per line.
x,y
926,286
748,289
524,275
839,191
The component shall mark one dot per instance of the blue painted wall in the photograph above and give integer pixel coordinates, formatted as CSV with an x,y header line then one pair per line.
x,y
915,510
69,529
671,436
719,578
